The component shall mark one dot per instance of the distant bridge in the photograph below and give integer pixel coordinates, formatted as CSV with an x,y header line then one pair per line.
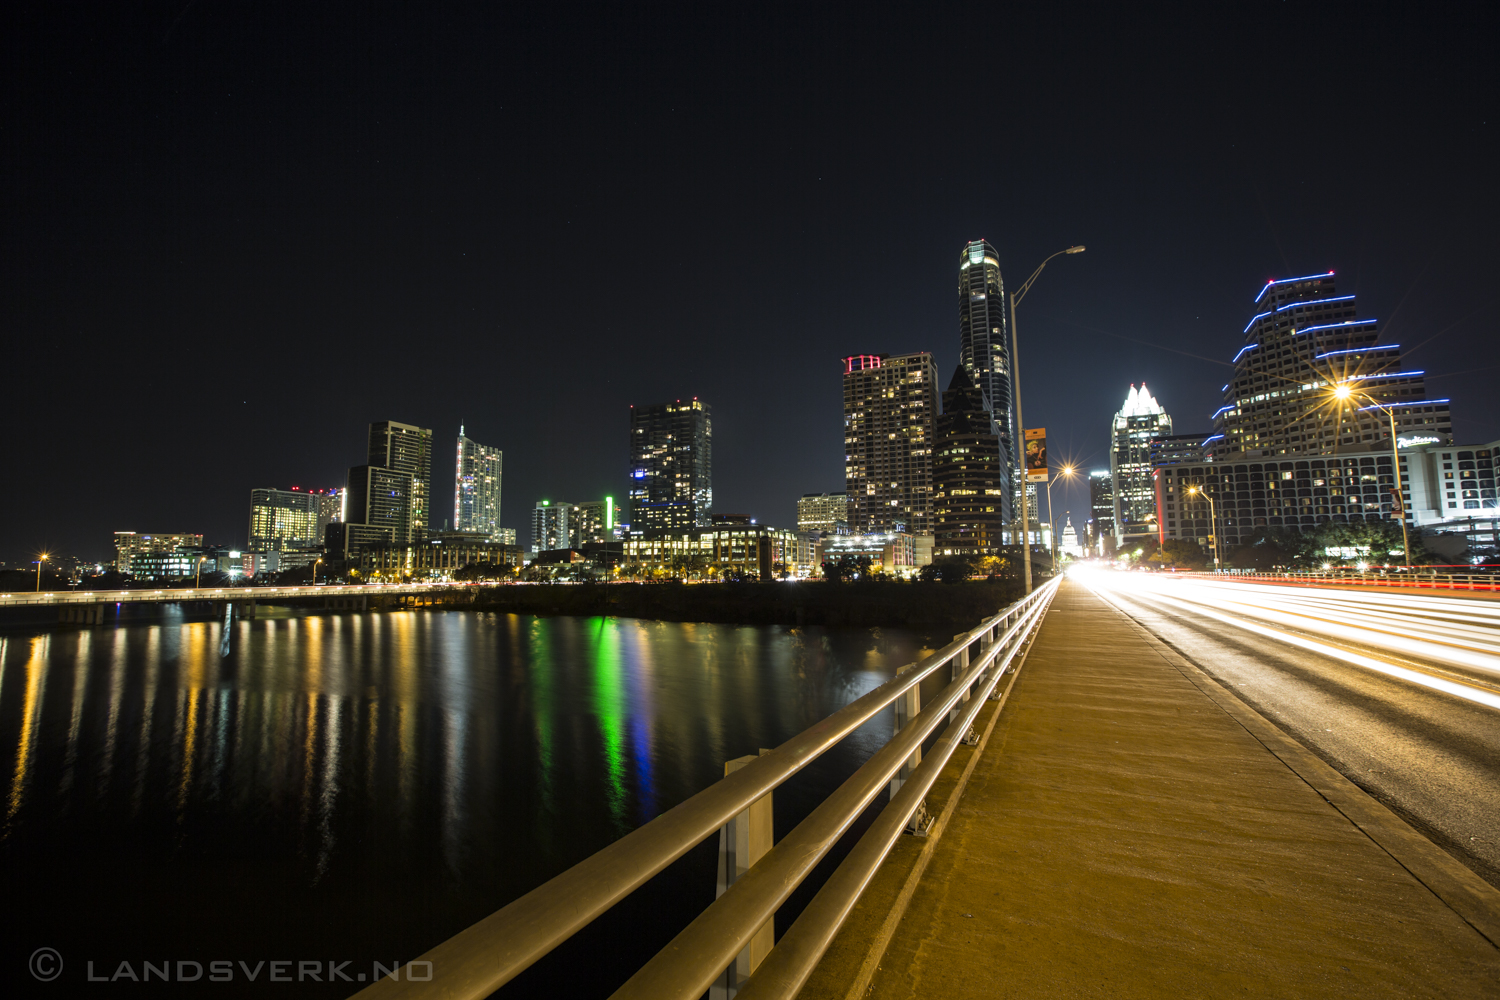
x,y
88,607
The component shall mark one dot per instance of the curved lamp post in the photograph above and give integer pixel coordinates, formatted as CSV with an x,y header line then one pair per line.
x,y
1213,521
1015,375
1345,393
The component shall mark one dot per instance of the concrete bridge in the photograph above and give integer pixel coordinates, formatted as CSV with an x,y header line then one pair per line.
x,y
1126,789
97,607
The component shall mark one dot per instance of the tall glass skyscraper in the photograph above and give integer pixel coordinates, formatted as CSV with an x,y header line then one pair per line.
x,y
406,449
476,487
984,348
968,503
1139,422
671,466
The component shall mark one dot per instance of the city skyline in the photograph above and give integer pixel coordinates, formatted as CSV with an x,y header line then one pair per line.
x,y
838,239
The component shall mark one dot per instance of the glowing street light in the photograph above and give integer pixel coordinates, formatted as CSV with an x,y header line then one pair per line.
x,y
1213,522
1343,392
1066,472
1015,376
41,558
315,570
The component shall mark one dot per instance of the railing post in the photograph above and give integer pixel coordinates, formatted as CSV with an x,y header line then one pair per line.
x,y
958,666
908,706
743,841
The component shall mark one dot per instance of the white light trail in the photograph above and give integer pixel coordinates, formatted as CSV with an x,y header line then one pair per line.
x,y
1323,616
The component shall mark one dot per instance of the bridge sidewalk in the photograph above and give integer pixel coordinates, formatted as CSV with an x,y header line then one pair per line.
x,y
1132,830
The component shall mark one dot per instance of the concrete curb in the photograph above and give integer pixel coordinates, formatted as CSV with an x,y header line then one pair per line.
x,y
1473,899
860,984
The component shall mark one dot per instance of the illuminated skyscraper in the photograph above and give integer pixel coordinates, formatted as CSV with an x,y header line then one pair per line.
x,y
968,501
984,347
1140,421
476,488
551,526
592,522
406,449
330,509
890,413
1102,509
671,466
1304,338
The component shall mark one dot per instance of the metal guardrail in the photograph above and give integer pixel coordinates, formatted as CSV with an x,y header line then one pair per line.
x,y
1395,578
479,960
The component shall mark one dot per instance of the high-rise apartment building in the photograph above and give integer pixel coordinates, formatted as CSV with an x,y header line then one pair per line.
x,y
330,509
890,416
1102,511
282,519
1304,340
551,526
1139,422
968,495
824,512
671,466
377,507
592,522
476,488
984,348
407,449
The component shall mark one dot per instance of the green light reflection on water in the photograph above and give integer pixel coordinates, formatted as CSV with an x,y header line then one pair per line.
x,y
609,708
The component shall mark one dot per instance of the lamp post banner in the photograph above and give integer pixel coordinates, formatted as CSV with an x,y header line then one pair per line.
x,y
1036,454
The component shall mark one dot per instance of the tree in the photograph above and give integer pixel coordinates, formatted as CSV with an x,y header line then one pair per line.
x,y
846,568
948,569
1181,553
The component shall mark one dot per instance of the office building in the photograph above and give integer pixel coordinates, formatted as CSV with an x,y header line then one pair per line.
x,y
476,487
551,526
823,512
968,486
281,519
984,347
721,551
889,552
330,509
1303,340
592,522
1249,497
1139,422
377,507
890,423
1102,509
129,544
407,449
671,466
438,556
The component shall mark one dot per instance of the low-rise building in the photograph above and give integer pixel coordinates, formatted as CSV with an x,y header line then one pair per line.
x,y
437,556
893,552
721,551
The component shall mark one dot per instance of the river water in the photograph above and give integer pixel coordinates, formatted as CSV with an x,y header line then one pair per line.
x,y
355,789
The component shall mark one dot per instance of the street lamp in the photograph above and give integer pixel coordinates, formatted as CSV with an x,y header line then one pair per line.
x,y
1213,522
315,571
1344,392
198,580
41,558
1065,472
1015,377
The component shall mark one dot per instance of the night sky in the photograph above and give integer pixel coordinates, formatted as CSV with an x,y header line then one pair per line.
x,y
235,234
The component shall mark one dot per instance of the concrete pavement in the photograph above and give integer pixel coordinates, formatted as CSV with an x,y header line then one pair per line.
x,y
1130,829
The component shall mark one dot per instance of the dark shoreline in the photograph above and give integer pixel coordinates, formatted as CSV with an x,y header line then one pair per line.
x,y
806,603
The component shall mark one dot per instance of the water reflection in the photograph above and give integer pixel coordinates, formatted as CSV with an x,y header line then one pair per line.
x,y
375,781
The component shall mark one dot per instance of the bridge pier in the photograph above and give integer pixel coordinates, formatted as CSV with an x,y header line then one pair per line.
x,y
81,614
